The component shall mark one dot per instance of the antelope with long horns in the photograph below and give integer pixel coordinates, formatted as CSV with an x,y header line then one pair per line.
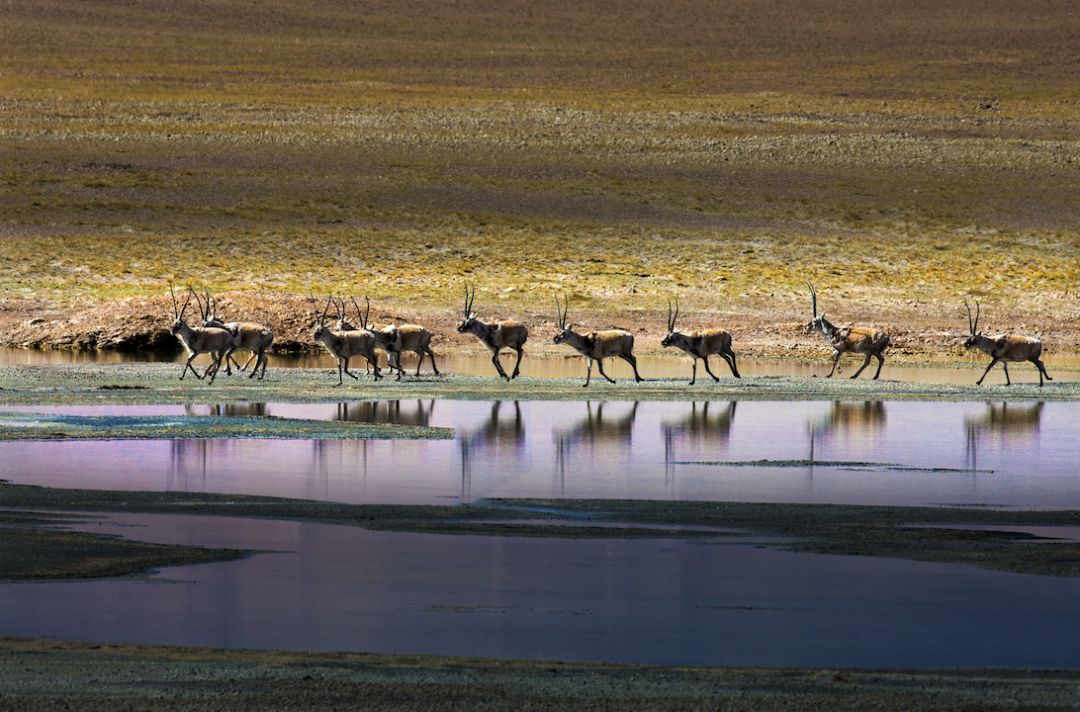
x,y
343,345
849,339
247,336
596,345
198,340
700,344
1004,348
396,338
496,335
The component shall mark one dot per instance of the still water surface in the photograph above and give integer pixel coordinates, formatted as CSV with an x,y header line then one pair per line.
x,y
693,602
873,452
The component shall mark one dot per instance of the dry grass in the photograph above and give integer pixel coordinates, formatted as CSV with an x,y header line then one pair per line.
x,y
900,156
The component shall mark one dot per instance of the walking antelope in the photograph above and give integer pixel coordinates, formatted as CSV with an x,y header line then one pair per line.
x,y
198,340
496,335
395,338
700,344
855,339
343,345
247,336
1004,348
596,345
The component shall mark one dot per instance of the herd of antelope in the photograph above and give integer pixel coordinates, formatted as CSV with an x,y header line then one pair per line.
x,y
344,340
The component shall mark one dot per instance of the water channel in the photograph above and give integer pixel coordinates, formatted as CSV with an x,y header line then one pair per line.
x,y
673,601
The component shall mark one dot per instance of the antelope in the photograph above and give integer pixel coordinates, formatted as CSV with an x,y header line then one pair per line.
x,y
395,338
855,339
700,344
496,335
247,336
343,345
596,345
199,340
1004,348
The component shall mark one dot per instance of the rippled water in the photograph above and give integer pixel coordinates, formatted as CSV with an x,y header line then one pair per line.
x,y
873,452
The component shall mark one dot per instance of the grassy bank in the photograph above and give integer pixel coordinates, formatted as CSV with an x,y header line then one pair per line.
x,y
51,674
145,383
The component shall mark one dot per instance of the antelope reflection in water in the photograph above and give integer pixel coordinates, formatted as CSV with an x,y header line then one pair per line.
x,y
389,412
847,419
1003,424
594,429
352,455
227,409
493,434
189,457
696,428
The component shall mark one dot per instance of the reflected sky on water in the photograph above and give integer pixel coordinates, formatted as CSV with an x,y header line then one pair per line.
x,y
872,452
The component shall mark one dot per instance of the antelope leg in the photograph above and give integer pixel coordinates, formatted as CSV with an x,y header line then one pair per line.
x,y
498,366
729,356
865,363
992,362
517,364
600,365
881,362
632,360
431,355
835,362
708,370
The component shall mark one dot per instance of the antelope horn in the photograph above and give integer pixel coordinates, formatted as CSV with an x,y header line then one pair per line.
x,y
670,323
471,299
322,318
813,298
559,312
361,317
676,317
175,309
978,308
184,308
971,324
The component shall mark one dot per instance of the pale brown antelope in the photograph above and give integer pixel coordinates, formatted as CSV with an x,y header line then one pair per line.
x,y
1004,348
496,335
700,344
247,336
198,340
396,338
596,345
343,345
849,339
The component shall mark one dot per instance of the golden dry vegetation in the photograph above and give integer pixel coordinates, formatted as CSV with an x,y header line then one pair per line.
x,y
902,156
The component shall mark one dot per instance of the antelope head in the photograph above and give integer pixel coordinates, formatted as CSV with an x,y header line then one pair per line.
x,y
671,318
468,318
816,322
973,325
564,328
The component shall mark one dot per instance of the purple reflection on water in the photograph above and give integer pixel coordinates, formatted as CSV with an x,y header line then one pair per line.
x,y
1014,454
699,602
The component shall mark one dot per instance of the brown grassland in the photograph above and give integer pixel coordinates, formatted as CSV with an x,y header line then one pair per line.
x,y
902,156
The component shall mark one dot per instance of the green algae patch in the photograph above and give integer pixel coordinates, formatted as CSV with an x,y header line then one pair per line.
x,y
32,549
50,426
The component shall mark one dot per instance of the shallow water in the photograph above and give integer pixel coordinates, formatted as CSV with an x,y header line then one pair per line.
x,y
874,452
691,602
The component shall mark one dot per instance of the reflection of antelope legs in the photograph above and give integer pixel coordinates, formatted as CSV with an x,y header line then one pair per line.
x,y
1005,421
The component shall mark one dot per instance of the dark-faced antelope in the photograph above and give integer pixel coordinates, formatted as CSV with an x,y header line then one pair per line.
x,y
198,340
396,338
247,336
1004,348
343,345
596,345
496,335
849,339
700,344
